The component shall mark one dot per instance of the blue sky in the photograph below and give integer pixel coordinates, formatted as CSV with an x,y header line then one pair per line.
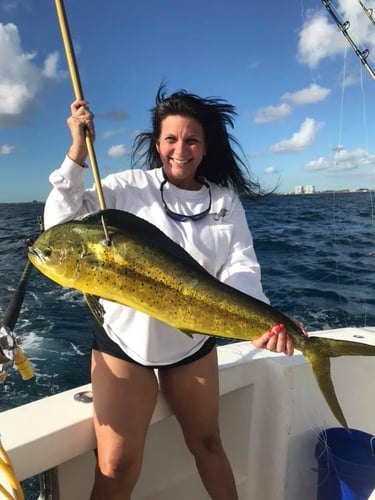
x,y
303,98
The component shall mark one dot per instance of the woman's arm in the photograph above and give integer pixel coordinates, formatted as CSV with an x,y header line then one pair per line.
x,y
68,198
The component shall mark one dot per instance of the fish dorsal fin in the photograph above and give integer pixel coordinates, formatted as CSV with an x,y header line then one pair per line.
x,y
130,224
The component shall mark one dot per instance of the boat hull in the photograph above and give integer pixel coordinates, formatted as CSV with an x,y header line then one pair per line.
x,y
268,403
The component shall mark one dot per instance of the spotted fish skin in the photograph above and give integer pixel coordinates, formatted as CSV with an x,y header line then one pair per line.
x,y
144,269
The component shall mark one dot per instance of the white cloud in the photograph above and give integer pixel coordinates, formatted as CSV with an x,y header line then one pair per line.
x,y
254,65
9,5
117,151
320,37
342,160
270,170
110,133
50,69
20,78
6,149
300,140
350,79
272,113
12,5
309,95
117,114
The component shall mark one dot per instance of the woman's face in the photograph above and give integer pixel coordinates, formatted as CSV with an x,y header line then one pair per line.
x,y
181,147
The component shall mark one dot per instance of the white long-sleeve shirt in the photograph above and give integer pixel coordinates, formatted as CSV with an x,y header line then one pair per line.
x,y
221,242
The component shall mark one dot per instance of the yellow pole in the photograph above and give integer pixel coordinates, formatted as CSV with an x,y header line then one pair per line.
x,y
74,75
7,472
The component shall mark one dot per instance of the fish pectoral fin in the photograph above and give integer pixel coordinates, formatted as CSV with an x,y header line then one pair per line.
x,y
187,332
95,307
321,366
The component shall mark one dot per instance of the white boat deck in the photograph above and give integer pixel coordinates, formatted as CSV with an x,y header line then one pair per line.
x,y
271,413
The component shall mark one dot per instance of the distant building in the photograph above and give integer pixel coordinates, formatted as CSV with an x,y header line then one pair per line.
x,y
309,189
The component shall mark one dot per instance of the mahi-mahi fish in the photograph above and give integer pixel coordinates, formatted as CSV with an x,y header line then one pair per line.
x,y
142,268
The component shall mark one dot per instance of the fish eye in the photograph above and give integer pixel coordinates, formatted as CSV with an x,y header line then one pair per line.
x,y
47,252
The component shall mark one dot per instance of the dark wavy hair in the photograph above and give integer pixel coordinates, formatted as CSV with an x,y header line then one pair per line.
x,y
221,164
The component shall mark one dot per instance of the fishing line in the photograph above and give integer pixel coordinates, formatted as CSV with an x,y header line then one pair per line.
x,y
362,55
369,13
337,254
341,118
364,114
343,272
337,220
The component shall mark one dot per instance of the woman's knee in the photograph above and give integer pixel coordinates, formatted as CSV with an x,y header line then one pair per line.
x,y
209,443
121,467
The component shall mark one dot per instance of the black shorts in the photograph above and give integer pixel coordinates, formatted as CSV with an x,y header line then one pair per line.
x,y
103,343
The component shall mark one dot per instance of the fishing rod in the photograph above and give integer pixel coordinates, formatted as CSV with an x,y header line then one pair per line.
x,y
10,350
368,12
77,88
344,27
11,354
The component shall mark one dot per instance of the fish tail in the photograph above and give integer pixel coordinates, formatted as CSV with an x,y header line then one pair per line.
x,y
321,367
318,352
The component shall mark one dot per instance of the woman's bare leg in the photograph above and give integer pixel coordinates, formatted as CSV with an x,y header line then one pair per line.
x,y
124,396
192,390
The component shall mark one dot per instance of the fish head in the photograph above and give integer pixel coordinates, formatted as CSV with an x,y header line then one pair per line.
x,y
57,253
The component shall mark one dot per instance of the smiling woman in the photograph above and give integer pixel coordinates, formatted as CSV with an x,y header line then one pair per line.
x,y
200,127
193,165
303,274
181,147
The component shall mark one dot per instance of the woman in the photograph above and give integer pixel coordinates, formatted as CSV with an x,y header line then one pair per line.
x,y
190,190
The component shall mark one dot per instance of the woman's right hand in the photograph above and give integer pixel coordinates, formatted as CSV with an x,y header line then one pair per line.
x,y
80,121
276,340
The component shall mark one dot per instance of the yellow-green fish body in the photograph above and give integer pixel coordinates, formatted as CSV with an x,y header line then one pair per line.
x,y
144,269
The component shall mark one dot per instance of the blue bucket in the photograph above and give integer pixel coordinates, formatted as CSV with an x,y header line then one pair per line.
x,y
346,464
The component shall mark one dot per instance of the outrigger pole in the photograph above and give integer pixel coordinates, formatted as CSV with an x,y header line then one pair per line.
x,y
344,27
10,350
368,12
77,88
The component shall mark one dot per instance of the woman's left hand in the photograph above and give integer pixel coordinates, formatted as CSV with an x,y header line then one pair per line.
x,y
276,340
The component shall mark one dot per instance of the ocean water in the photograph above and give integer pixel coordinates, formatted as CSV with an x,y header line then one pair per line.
x,y
317,254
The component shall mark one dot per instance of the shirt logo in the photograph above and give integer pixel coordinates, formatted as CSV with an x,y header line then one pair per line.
x,y
220,215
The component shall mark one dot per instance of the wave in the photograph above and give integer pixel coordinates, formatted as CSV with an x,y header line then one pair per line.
x,y
316,255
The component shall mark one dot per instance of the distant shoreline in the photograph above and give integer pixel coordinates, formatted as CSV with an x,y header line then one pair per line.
x,y
328,191
34,202
331,191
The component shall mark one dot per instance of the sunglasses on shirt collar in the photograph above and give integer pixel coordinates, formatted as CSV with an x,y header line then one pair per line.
x,y
182,217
